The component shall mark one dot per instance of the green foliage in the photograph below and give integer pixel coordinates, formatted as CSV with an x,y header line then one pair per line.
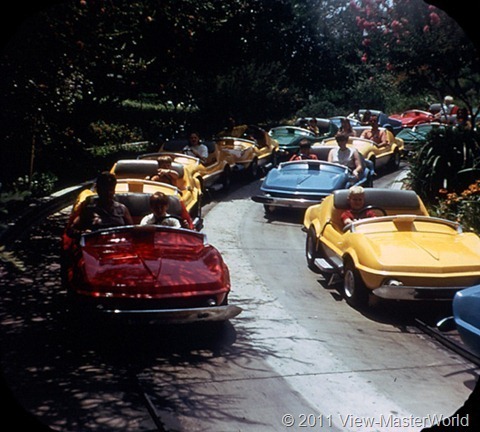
x,y
103,134
93,74
463,207
447,161
39,185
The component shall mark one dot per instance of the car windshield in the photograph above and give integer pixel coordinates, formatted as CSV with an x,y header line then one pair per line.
x,y
286,135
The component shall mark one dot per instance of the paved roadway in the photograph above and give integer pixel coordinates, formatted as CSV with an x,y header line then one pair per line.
x,y
298,353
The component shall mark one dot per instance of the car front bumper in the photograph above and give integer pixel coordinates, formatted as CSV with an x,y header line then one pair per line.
x,y
181,316
402,292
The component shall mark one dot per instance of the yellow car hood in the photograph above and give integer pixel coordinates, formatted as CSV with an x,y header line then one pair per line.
x,y
421,252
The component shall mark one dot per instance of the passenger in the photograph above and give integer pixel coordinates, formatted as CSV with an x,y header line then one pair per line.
x,y
195,148
346,127
379,137
356,201
165,173
102,211
347,156
463,120
232,129
313,126
304,152
365,118
389,131
159,203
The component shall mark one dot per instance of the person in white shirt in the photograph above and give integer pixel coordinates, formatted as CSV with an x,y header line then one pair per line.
x,y
195,148
159,216
347,156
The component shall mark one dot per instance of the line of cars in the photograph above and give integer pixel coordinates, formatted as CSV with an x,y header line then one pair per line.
x,y
154,272
401,254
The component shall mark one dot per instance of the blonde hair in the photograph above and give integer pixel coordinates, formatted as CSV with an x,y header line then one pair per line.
x,y
356,190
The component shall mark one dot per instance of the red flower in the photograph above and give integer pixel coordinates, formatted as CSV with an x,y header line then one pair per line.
x,y
434,18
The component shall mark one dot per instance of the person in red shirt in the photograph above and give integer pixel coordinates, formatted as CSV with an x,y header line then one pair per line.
x,y
356,200
304,152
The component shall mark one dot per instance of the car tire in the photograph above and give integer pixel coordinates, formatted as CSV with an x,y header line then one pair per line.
x,y
253,169
354,290
226,179
269,210
395,161
311,250
274,159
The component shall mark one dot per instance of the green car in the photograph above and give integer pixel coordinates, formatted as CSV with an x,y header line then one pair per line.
x,y
415,137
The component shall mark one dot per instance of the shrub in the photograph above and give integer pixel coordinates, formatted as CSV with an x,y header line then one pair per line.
x,y
449,160
463,207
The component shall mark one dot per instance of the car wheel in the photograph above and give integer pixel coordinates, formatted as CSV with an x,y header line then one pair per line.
x,y
354,290
253,169
226,178
395,161
274,159
269,210
311,250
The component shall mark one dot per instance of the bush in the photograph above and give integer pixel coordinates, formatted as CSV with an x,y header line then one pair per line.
x,y
449,160
463,207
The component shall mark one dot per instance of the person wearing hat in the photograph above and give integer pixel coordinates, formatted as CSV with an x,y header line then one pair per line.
x,y
304,152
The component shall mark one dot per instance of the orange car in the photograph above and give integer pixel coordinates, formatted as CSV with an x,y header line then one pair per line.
x,y
254,151
215,173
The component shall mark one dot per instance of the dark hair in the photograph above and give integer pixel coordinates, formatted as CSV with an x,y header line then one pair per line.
x,y
159,198
304,143
106,179
341,137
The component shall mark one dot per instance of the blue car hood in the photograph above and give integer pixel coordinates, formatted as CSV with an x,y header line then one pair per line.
x,y
325,179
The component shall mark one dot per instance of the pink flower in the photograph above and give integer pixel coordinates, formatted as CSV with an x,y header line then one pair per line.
x,y
364,58
426,28
434,18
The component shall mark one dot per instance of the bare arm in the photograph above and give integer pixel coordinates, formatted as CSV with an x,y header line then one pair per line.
x,y
358,164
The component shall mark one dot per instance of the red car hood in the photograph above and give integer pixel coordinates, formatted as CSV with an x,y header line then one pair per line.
x,y
151,262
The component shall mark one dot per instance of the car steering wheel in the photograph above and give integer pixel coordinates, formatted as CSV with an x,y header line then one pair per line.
x,y
180,219
362,212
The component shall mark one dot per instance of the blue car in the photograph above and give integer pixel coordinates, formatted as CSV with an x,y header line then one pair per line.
x,y
300,184
466,307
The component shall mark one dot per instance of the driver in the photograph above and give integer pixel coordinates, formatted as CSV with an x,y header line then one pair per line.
x,y
159,205
347,156
356,200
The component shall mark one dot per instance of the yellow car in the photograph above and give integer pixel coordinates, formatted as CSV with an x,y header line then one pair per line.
x,y
380,156
257,150
402,254
131,174
215,173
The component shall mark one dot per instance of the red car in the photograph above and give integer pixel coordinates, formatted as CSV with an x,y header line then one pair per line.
x,y
163,274
413,117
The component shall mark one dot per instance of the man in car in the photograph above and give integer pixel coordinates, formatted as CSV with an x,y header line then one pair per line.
x,y
196,148
379,137
102,211
356,201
